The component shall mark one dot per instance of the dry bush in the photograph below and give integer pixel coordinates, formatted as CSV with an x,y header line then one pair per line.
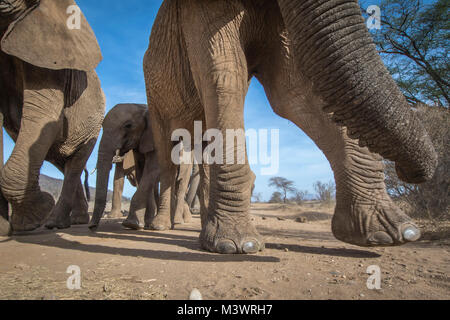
x,y
431,199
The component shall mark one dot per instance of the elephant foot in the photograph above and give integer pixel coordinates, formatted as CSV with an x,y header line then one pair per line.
x,y
231,237
161,223
31,213
380,223
79,218
132,223
5,227
60,217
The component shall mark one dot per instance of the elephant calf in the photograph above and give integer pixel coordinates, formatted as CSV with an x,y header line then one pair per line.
x,y
52,106
127,128
127,141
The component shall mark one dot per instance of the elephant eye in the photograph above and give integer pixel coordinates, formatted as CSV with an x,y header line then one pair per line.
x,y
128,126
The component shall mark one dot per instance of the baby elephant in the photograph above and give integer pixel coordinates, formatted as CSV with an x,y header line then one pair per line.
x,y
127,142
127,128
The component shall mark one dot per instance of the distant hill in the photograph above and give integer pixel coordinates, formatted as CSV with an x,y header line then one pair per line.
x,y
54,187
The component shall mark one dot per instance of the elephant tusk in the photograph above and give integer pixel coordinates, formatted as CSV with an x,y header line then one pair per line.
x,y
117,158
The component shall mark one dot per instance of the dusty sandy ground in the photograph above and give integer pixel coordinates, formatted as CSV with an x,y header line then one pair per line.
x,y
301,261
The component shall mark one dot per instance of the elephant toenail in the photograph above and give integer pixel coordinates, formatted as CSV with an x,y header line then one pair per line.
x,y
381,238
226,247
250,247
411,234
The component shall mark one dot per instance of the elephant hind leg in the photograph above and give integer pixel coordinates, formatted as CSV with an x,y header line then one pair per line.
x,y
60,215
80,207
40,124
365,215
221,77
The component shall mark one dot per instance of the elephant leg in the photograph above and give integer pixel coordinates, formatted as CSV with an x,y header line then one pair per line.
x,y
152,194
221,77
144,190
182,215
365,215
168,172
119,180
60,216
192,198
41,123
80,215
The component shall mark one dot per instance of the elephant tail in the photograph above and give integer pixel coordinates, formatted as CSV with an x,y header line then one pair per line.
x,y
86,185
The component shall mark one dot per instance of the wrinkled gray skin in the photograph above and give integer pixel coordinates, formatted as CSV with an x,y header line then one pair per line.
x,y
320,69
125,167
52,115
127,128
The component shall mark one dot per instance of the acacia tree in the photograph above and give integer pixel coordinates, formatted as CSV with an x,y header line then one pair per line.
x,y
414,43
284,185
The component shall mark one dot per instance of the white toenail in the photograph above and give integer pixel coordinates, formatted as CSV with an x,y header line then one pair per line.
x,y
410,233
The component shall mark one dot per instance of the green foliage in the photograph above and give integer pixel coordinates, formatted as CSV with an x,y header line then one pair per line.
x,y
414,43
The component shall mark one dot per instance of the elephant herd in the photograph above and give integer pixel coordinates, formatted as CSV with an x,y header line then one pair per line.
x,y
316,61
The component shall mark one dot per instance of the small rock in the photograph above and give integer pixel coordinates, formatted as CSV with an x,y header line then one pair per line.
x,y
281,219
362,295
301,220
195,295
22,266
286,249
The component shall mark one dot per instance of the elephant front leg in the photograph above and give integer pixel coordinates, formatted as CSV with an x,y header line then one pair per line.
x,y
226,225
365,215
140,202
41,122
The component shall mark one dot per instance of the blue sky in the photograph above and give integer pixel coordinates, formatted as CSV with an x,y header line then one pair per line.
x,y
123,29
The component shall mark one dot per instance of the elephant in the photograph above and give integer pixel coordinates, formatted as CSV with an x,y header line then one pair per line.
x,y
52,106
125,168
127,141
320,69
126,129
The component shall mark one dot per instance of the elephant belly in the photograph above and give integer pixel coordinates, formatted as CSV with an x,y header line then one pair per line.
x,y
170,86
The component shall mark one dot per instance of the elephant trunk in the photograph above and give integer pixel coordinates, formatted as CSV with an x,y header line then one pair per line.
x,y
104,165
334,50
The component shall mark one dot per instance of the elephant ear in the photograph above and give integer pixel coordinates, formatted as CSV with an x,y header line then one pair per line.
x,y
42,37
147,144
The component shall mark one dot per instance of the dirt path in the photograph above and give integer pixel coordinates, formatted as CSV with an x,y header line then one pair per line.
x,y
301,261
